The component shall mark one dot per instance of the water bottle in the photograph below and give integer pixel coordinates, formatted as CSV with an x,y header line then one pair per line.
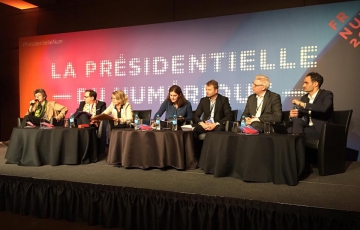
x,y
174,123
157,122
72,121
295,107
136,121
243,121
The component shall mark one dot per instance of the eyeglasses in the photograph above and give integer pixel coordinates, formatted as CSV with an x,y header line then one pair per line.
x,y
253,84
86,96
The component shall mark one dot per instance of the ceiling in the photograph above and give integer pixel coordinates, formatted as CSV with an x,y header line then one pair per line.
x,y
46,4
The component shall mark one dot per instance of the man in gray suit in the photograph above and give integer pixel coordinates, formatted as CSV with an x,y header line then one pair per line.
x,y
263,105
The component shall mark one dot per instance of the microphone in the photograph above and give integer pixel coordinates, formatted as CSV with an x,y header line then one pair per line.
x,y
32,103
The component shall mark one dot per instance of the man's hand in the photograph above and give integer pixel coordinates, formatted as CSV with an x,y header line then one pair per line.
x,y
248,120
210,126
294,113
204,125
298,103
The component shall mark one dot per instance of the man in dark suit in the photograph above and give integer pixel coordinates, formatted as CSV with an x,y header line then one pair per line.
x,y
314,108
214,108
263,105
91,106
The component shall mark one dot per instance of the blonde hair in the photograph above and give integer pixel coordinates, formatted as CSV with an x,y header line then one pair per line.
x,y
264,80
120,95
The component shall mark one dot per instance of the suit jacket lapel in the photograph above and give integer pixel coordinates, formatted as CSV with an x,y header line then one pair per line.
x,y
253,104
317,96
265,100
217,105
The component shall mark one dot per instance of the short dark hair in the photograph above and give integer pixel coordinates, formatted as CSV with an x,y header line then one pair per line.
x,y
213,83
92,93
316,77
42,91
181,100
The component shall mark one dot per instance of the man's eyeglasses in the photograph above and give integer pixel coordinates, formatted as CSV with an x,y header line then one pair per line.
x,y
86,96
253,84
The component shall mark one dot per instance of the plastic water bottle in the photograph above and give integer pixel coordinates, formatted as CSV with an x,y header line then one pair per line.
x,y
72,121
174,123
243,121
295,107
157,122
136,121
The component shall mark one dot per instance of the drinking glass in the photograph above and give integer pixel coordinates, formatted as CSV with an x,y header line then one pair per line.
x,y
235,127
267,127
168,125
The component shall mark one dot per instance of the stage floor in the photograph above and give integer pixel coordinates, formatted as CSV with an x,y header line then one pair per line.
x,y
340,192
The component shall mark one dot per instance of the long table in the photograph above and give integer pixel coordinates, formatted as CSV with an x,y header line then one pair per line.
x,y
152,149
56,146
277,158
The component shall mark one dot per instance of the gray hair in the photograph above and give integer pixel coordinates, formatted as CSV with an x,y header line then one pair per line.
x,y
264,80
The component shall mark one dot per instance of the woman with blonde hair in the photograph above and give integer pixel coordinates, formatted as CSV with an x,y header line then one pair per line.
x,y
120,109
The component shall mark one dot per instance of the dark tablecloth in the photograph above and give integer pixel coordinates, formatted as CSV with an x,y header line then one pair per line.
x,y
147,149
277,158
57,146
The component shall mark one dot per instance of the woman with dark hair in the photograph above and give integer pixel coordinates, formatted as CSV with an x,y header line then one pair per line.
x,y
42,108
176,104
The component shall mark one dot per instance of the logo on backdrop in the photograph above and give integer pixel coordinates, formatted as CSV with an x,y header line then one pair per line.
x,y
351,31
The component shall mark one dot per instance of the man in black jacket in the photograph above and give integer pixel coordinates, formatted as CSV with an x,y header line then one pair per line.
x,y
263,105
314,108
214,109
90,106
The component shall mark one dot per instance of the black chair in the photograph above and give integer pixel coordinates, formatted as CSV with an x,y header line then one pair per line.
x,y
331,146
144,115
235,114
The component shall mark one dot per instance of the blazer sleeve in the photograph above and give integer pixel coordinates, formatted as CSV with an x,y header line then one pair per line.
x,y
62,110
246,112
227,111
322,104
162,109
109,109
274,113
198,112
102,108
189,112
127,115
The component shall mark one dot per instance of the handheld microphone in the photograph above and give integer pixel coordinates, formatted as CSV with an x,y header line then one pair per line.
x,y
32,103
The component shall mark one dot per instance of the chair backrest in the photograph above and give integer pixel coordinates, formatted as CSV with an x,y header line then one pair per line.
x,y
234,113
19,121
143,114
342,117
285,116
